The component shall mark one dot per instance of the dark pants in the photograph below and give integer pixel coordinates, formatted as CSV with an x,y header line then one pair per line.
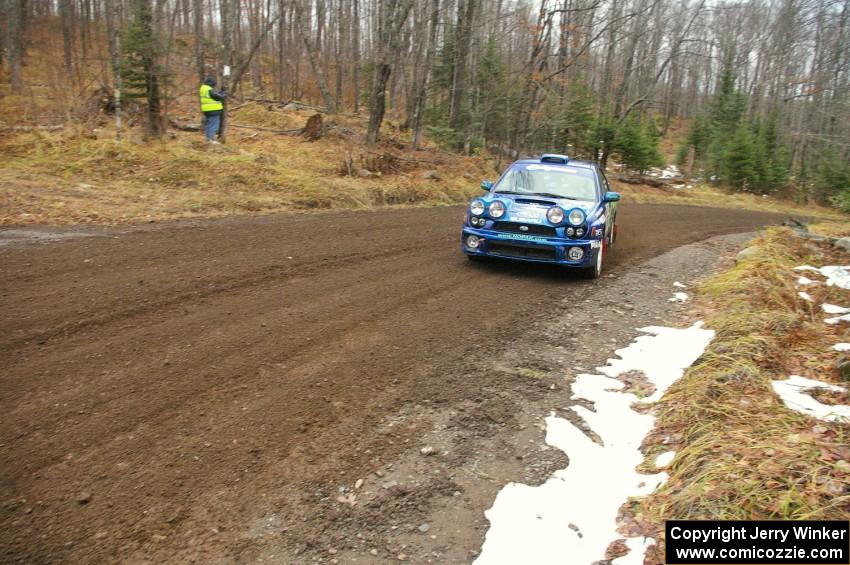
x,y
212,122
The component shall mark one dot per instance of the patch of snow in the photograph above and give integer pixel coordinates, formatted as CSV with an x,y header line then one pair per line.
x,y
841,347
793,393
664,459
661,355
837,319
806,296
677,284
527,524
833,309
804,281
679,297
670,172
836,275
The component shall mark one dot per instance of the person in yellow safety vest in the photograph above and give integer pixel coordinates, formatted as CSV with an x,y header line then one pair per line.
x,y
211,107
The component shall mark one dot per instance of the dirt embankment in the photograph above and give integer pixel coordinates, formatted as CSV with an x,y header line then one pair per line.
x,y
182,392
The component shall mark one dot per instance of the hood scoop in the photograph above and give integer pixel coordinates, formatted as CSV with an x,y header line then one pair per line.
x,y
534,201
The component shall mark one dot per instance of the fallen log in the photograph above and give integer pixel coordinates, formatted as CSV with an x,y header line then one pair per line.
x,y
644,180
183,127
289,103
270,130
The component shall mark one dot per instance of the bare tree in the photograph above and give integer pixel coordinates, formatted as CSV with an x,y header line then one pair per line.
x,y
312,54
395,12
15,46
113,17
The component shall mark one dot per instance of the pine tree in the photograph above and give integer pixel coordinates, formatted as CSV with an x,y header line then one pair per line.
x,y
830,179
737,164
636,143
493,103
578,119
652,142
142,75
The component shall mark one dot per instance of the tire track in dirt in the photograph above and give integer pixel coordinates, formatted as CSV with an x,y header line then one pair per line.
x,y
187,375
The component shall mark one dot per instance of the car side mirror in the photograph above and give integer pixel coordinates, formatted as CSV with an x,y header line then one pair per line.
x,y
612,197
486,184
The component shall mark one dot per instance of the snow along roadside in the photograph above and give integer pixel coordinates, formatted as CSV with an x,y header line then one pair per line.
x,y
571,518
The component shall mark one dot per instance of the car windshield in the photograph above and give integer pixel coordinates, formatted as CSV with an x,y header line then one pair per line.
x,y
548,180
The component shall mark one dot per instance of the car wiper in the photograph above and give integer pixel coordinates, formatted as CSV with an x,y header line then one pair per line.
x,y
508,192
550,195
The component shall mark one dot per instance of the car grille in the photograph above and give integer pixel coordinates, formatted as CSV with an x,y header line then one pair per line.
x,y
544,253
533,229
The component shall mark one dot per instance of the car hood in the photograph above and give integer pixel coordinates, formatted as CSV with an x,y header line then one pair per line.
x,y
532,209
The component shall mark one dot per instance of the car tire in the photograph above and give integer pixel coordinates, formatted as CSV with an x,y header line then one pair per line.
x,y
596,271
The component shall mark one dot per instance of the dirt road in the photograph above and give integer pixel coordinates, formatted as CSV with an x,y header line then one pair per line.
x,y
165,391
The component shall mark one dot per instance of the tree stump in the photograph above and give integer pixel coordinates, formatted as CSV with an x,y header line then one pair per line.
x,y
314,128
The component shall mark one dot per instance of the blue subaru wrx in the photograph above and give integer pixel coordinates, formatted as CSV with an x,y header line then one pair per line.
x,y
546,210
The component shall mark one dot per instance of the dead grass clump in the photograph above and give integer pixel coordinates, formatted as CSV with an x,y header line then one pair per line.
x,y
741,454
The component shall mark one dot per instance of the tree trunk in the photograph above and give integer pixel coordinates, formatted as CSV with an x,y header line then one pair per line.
x,y
396,12
113,17
66,8
463,34
355,54
15,48
198,22
422,90
313,56
228,10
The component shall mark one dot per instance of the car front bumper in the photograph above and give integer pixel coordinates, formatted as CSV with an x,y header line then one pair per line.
x,y
536,249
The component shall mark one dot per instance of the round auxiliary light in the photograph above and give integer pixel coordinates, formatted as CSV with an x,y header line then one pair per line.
x,y
576,217
476,207
580,232
555,215
497,209
473,241
575,253
571,232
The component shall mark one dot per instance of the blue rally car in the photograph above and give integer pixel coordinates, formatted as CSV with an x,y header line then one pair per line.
x,y
547,210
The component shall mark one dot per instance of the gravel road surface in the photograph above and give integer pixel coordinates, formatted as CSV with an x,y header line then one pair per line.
x,y
210,391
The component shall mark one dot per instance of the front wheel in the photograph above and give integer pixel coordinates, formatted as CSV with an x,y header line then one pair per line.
x,y
595,271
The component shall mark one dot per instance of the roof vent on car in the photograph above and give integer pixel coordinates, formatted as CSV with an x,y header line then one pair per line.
x,y
555,158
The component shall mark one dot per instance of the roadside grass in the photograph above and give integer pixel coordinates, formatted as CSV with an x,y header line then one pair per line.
x,y
71,177
740,453
704,195
80,174
831,228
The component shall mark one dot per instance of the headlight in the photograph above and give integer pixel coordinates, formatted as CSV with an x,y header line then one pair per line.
x,y
476,207
580,232
575,253
555,215
576,217
571,232
497,209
